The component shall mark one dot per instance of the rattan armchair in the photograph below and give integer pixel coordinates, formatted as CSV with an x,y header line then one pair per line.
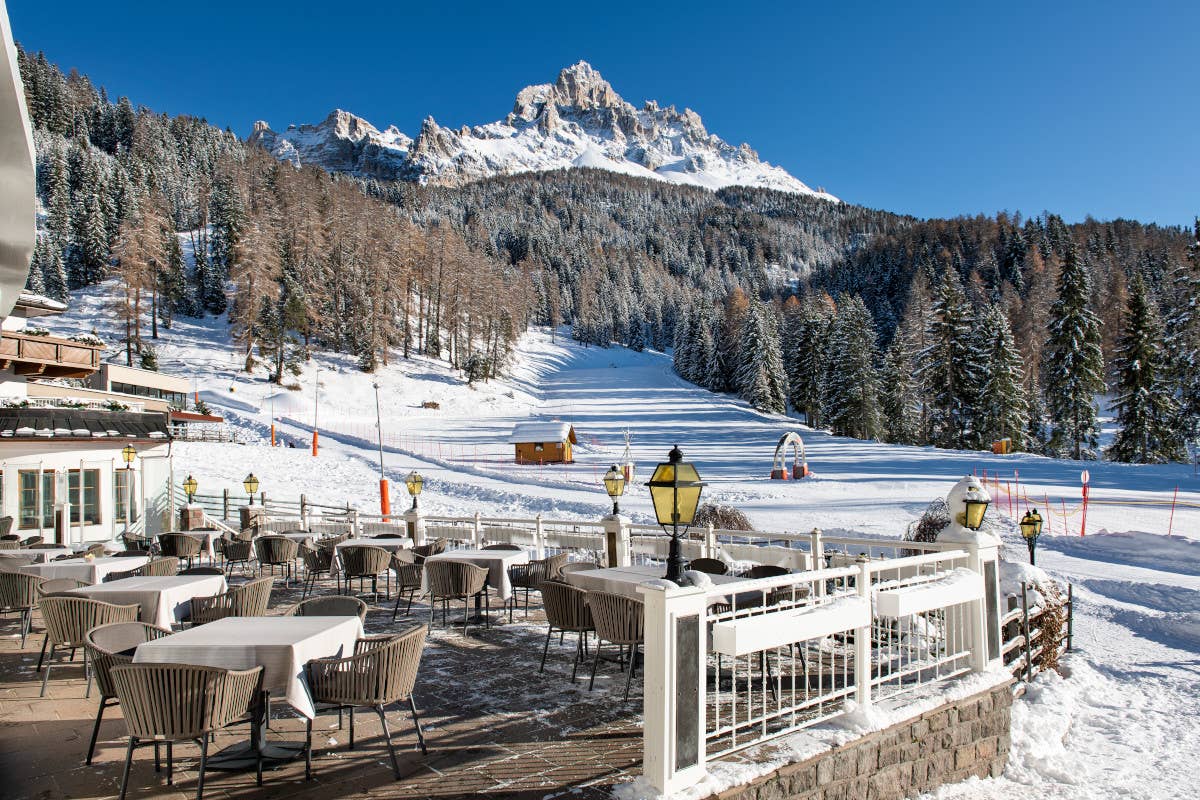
x,y
566,610
528,577
277,551
58,586
181,546
106,647
134,542
710,566
408,579
19,592
318,561
619,620
136,572
578,566
365,561
503,546
424,551
10,544
244,600
30,541
383,670
68,619
180,702
161,567
456,580
237,551
333,605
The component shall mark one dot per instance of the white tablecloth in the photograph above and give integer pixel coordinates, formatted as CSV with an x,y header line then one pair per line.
x,y
392,543
38,556
625,580
82,569
496,562
282,645
164,600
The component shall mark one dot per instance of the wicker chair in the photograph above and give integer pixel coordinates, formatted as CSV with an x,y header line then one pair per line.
x,y
318,561
566,610
134,542
763,571
107,646
10,537
245,600
366,561
9,544
237,551
334,605
31,541
19,592
202,571
181,546
408,579
6,523
68,619
455,580
620,621
529,577
712,566
179,702
383,670
98,549
424,551
161,567
277,551
136,572
578,566
132,554
58,586
503,547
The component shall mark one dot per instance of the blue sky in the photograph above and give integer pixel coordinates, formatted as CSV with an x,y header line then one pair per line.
x,y
933,109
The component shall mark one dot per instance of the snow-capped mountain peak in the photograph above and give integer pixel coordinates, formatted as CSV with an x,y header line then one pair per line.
x,y
577,121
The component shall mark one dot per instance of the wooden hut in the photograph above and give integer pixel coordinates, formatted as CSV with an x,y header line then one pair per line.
x,y
543,442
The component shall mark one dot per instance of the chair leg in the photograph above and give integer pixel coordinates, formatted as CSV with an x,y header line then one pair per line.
x,y
412,706
46,674
412,593
170,763
351,727
466,615
546,649
387,737
26,619
396,609
629,673
203,764
595,663
128,764
96,730
308,749
42,657
487,608
578,657
157,758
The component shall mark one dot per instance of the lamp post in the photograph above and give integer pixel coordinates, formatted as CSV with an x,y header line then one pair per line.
x,y
414,482
250,484
614,484
385,505
190,485
976,503
1031,529
128,453
675,489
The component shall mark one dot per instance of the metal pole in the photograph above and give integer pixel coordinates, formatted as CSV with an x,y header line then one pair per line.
x,y
316,406
385,506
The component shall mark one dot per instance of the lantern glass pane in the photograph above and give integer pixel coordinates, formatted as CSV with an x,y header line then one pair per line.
x,y
663,497
687,472
975,511
689,498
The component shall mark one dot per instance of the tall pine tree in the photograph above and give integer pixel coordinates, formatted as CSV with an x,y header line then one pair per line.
x,y
851,400
1003,408
761,380
949,366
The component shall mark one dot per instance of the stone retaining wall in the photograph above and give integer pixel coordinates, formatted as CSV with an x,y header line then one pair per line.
x,y
946,745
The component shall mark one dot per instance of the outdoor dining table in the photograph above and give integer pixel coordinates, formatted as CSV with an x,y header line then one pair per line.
x,y
392,543
496,562
85,570
164,600
625,580
39,555
281,645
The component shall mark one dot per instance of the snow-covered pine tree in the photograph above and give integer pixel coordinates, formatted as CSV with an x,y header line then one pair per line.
x,y
34,282
1146,410
949,366
91,252
1037,439
1072,364
851,398
897,395
808,357
760,377
681,355
1183,338
1003,409
707,353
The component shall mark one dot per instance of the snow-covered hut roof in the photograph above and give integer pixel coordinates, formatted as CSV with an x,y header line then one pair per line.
x,y
542,432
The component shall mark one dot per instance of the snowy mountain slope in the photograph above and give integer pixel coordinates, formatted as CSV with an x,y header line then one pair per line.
x,y
577,121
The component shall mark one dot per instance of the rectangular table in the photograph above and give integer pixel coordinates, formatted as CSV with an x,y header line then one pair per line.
x,y
625,580
391,543
164,600
496,562
282,645
40,555
85,570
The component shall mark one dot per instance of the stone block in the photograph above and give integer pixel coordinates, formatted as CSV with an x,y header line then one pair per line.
x,y
868,759
968,712
985,749
996,768
938,720
845,765
1003,743
802,780
771,788
919,729
889,757
964,757
986,703
825,771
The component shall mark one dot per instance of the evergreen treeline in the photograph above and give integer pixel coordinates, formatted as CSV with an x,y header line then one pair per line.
x,y
949,332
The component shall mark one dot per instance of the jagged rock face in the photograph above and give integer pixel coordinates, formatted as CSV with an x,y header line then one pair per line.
x,y
577,121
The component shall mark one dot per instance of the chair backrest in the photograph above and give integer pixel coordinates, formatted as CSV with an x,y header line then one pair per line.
x,y
6,523
31,541
202,571
712,566
619,619
577,566
96,549
382,670
555,564
10,537
238,550
131,553
179,545
764,571
109,645
134,542
251,599
137,572
363,559
503,547
275,549
9,544
334,605
454,578
317,559
18,590
40,545
59,586
159,567
566,606
68,619
181,701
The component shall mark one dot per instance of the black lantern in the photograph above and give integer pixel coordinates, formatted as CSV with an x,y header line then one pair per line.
x,y
976,503
250,484
675,489
614,484
190,485
414,482
1031,529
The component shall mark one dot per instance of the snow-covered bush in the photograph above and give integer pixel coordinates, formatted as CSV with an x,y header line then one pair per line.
x,y
723,517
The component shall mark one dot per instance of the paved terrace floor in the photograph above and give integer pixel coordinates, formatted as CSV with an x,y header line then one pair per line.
x,y
495,728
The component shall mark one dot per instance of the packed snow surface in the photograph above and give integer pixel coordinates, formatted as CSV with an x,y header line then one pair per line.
x,y
1118,723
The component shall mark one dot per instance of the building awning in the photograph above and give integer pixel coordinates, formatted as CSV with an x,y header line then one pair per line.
x,y
542,432
79,424
192,416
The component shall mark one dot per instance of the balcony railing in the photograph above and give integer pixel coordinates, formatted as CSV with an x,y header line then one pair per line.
x,y
48,356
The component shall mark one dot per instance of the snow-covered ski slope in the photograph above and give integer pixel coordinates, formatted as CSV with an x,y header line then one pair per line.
x,y
1122,723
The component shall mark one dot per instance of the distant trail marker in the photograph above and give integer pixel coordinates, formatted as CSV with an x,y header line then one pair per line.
x,y
1084,477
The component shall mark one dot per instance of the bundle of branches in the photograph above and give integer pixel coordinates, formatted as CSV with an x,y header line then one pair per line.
x,y
722,517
